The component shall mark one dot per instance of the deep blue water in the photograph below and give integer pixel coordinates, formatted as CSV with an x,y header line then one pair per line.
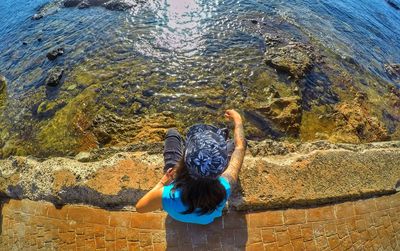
x,y
176,33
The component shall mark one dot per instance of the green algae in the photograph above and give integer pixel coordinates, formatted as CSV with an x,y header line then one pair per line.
x,y
65,131
316,124
138,90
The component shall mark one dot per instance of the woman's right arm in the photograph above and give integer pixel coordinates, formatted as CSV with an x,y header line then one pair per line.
x,y
236,161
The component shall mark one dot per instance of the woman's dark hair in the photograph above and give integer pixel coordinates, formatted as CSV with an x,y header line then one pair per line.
x,y
203,194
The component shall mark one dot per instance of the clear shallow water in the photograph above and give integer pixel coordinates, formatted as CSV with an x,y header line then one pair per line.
x,y
175,33
177,48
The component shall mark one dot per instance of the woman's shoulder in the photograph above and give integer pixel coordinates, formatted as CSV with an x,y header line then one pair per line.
x,y
224,181
166,197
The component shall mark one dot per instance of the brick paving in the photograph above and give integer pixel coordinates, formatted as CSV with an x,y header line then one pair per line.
x,y
372,224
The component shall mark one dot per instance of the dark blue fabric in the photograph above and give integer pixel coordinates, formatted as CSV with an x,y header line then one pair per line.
x,y
173,148
206,153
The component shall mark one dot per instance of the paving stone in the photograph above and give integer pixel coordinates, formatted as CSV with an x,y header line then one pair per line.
x,y
336,227
294,216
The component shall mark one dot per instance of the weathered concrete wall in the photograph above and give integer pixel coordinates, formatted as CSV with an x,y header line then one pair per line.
x,y
274,175
372,224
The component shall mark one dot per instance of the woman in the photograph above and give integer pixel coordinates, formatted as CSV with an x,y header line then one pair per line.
x,y
198,182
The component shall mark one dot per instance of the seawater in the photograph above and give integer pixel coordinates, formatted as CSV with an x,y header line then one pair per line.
x,y
195,56
175,33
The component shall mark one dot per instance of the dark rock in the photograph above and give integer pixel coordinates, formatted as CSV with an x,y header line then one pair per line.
x,y
39,39
295,58
254,21
49,8
394,3
148,93
102,136
48,108
3,83
55,76
97,2
71,3
118,5
397,186
24,43
55,53
393,70
271,92
83,5
37,16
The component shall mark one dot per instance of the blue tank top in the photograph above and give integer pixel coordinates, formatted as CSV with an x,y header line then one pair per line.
x,y
173,205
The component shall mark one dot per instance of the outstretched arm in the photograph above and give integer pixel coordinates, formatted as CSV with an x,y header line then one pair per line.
x,y
232,172
152,200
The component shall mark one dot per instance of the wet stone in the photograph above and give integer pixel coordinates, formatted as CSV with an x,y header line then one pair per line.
x,y
394,3
37,16
253,21
54,76
102,136
295,59
55,53
393,70
117,5
83,5
97,2
71,3
148,93
3,83
83,156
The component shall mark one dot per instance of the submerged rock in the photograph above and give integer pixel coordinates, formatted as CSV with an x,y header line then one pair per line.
x,y
285,113
355,124
71,3
55,53
37,16
3,83
393,70
148,93
97,2
83,5
47,9
55,76
253,21
48,108
295,58
111,129
117,5
394,3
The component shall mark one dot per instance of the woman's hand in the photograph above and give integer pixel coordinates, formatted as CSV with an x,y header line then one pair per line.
x,y
168,177
234,116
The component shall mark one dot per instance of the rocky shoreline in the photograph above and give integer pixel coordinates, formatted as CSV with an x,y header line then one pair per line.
x,y
299,91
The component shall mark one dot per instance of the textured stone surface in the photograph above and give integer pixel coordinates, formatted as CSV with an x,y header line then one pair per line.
x,y
372,224
285,113
293,175
3,83
294,58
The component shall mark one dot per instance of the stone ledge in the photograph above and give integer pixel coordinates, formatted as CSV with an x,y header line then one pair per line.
x,y
302,175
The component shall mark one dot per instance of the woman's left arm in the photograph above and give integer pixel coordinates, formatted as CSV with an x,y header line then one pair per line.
x,y
152,200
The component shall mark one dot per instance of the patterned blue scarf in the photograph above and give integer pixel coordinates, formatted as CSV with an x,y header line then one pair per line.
x,y
206,154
